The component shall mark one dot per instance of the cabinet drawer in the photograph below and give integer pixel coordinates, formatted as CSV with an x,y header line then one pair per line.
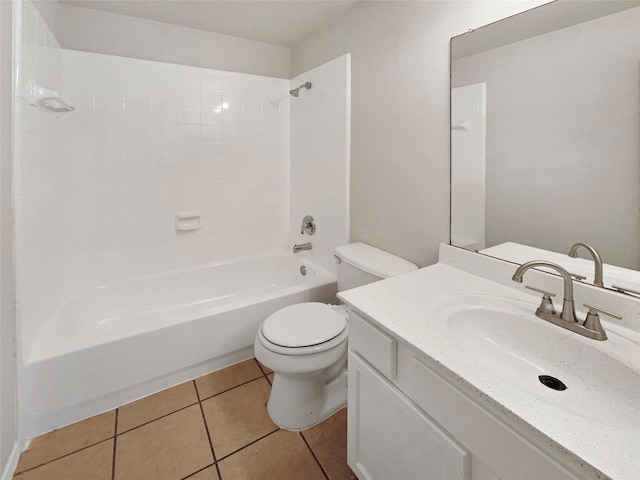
x,y
375,346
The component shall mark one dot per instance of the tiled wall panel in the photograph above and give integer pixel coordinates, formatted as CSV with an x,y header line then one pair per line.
x,y
320,144
37,205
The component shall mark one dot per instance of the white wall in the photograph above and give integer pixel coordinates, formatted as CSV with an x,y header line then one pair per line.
x,y
91,30
8,418
400,114
320,121
562,137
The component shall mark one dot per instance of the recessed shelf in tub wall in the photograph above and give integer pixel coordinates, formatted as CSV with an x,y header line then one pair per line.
x,y
46,99
186,221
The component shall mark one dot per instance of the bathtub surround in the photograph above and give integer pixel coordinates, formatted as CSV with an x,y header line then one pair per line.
x,y
146,142
320,152
37,57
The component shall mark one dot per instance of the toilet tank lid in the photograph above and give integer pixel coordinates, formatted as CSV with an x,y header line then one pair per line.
x,y
373,260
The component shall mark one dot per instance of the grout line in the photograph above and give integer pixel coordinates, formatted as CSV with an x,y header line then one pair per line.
x,y
206,427
229,389
115,439
260,366
158,418
196,472
62,456
314,456
264,373
248,444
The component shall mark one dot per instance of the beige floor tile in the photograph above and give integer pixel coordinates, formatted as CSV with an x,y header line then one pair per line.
x,y
207,474
238,417
227,378
169,448
156,405
270,377
282,455
328,440
66,440
93,463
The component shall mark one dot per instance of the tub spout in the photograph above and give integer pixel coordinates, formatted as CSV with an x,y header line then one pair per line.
x,y
298,247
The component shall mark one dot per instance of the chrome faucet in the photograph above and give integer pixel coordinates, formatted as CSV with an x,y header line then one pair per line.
x,y
597,259
591,327
298,247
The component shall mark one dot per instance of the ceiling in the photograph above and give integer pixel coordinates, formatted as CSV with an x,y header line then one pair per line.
x,y
283,22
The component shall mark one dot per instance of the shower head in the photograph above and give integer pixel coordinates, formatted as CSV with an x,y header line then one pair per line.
x,y
296,91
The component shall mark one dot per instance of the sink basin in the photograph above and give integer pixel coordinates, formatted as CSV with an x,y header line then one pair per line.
x,y
504,337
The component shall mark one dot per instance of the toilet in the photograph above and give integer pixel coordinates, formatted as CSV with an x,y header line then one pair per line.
x,y
306,344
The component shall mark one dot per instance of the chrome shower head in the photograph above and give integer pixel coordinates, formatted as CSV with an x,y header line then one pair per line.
x,y
296,91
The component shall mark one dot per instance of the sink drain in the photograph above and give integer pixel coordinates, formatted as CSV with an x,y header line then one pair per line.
x,y
552,382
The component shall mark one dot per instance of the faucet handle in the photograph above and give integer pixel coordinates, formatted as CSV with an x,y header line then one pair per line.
x,y
546,304
545,293
595,310
592,322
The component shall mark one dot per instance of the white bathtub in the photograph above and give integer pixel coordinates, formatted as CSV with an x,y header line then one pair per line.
x,y
123,341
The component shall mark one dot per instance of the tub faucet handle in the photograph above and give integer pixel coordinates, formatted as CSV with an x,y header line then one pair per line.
x,y
308,225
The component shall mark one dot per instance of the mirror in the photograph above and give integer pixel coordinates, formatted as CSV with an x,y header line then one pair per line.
x,y
545,135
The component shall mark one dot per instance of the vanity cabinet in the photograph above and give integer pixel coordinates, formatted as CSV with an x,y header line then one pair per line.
x,y
407,422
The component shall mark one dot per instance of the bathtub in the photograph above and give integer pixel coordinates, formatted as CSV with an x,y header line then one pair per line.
x,y
118,343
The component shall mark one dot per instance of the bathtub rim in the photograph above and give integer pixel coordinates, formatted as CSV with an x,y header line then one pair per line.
x,y
50,344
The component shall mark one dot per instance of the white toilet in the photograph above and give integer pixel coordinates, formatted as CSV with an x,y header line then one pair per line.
x,y
306,344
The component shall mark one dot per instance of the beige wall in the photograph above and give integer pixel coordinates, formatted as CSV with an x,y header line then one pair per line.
x,y
400,114
91,30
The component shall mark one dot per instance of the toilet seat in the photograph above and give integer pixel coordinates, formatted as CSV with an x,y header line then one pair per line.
x,y
304,325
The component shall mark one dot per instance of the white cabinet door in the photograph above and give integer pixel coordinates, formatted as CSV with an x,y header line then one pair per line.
x,y
389,438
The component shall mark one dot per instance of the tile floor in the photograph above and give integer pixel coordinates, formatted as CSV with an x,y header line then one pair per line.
x,y
213,428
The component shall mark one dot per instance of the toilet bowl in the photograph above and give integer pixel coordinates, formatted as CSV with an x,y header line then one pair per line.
x,y
306,344
306,347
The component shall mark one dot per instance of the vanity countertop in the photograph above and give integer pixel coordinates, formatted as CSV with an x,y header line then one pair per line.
x,y
406,306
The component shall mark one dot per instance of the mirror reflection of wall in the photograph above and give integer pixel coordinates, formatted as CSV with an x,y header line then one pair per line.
x,y
562,137
468,166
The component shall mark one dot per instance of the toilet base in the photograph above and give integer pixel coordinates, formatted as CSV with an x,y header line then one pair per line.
x,y
299,402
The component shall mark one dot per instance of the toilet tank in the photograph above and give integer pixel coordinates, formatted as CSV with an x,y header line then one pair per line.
x,y
360,264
